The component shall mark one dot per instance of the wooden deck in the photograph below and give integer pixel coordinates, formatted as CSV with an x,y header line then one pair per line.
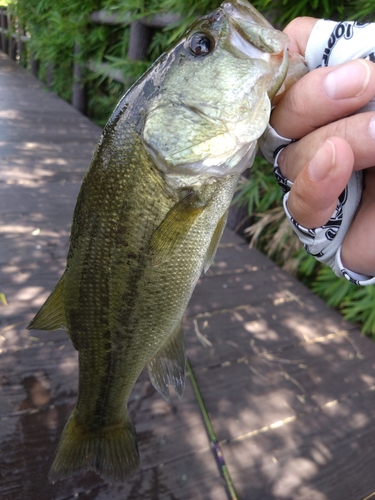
x,y
289,386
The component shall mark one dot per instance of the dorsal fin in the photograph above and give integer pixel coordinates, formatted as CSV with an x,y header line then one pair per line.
x,y
51,315
168,365
216,237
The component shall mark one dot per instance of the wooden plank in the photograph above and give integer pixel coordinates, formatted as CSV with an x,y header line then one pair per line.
x,y
323,455
183,479
27,446
42,387
33,130
274,386
23,153
45,376
34,170
19,199
213,293
236,259
14,336
247,329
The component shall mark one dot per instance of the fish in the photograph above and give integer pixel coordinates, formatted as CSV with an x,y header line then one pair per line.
x,y
148,220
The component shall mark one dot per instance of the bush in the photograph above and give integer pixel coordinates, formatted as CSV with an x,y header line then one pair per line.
x,y
329,9
55,28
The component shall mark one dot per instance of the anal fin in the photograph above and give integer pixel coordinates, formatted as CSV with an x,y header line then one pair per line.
x,y
51,315
168,365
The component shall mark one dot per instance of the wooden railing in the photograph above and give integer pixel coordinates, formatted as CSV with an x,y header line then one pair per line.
x,y
13,39
139,42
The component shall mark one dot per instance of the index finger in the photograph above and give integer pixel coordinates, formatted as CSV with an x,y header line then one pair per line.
x,y
323,96
299,31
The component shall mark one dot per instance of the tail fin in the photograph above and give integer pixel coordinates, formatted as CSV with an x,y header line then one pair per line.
x,y
112,453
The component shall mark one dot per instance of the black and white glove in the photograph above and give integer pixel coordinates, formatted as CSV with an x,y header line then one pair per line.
x,y
330,43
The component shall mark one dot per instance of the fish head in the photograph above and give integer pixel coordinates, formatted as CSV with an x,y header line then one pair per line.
x,y
215,92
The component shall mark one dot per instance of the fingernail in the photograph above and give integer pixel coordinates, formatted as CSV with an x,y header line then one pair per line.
x,y
322,162
348,80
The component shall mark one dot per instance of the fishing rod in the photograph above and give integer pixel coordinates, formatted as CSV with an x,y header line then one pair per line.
x,y
215,445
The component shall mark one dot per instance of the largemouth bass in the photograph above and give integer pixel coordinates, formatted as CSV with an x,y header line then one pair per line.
x,y
148,219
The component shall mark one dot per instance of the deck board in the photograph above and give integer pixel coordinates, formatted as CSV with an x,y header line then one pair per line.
x,y
288,384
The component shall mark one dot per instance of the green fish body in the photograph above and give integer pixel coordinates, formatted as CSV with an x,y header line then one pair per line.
x,y
148,219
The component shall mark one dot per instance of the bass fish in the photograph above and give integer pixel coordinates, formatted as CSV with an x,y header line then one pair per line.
x,y
148,219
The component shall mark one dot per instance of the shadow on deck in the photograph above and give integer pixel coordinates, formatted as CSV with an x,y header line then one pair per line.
x,y
289,386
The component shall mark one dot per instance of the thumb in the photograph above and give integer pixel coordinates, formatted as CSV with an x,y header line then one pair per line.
x,y
313,196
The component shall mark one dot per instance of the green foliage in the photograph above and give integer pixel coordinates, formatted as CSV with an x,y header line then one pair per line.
x,y
55,28
355,302
361,308
335,291
286,10
258,193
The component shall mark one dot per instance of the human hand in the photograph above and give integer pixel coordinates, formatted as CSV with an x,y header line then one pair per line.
x,y
332,143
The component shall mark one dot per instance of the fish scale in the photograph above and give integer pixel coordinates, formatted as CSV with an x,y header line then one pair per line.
x,y
148,219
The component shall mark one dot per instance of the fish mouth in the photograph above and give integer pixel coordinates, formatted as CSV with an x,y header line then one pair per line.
x,y
240,9
252,36
253,27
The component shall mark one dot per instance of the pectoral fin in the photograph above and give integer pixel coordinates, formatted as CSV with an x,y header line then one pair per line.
x,y
168,365
216,237
51,316
175,227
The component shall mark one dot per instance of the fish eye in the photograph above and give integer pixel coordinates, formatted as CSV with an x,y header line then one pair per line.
x,y
201,44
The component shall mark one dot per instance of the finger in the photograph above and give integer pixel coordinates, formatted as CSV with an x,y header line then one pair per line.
x,y
355,254
322,96
358,130
313,196
298,32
